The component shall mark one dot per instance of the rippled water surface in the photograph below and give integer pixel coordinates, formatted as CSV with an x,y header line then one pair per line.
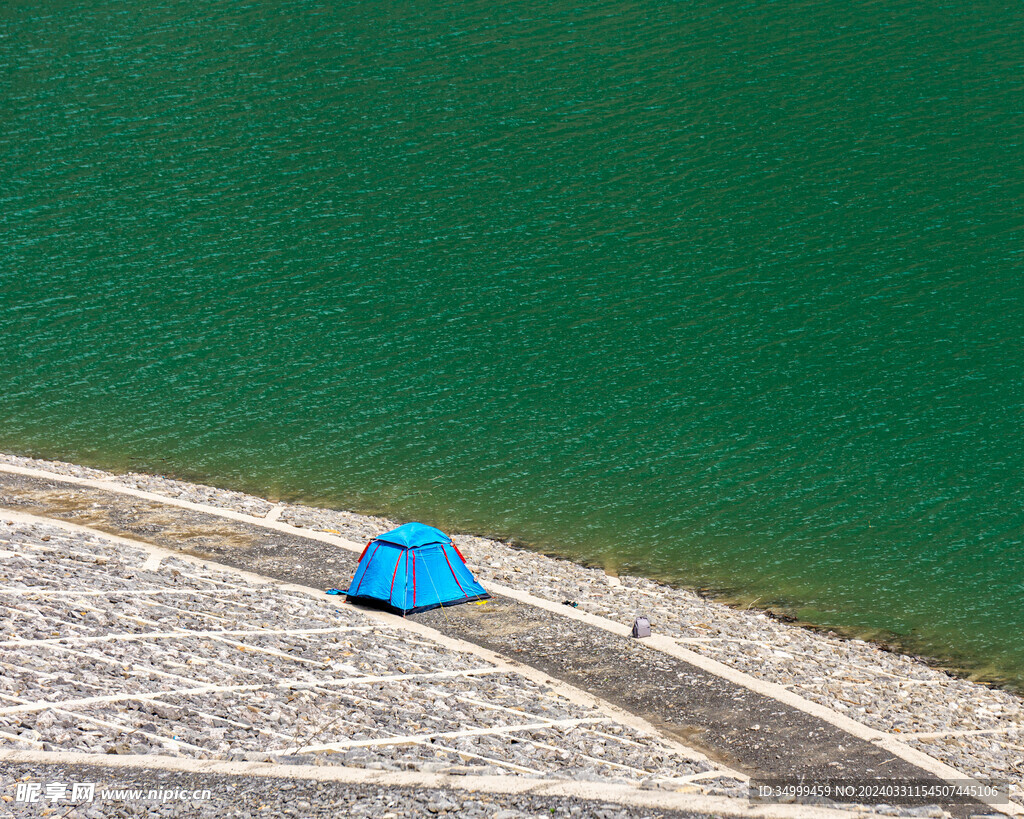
x,y
728,294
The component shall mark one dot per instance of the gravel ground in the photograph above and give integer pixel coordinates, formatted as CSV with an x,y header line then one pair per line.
x,y
974,728
253,796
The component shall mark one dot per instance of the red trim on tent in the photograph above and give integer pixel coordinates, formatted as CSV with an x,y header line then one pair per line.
x,y
365,550
364,573
405,594
391,592
456,548
456,579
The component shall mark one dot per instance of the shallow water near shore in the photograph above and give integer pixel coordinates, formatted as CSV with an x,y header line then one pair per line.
x,y
729,296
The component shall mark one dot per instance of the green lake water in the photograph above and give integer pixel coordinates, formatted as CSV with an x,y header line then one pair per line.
x,y
727,294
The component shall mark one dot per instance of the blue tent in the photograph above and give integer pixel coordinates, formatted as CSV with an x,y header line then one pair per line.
x,y
413,568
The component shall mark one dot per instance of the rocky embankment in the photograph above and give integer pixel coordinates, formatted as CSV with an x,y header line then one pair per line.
x,y
974,728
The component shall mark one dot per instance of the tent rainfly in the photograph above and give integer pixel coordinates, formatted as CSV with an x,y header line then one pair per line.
x,y
413,568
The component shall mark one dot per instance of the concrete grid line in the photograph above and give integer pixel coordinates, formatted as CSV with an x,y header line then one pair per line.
x,y
45,679
145,621
345,720
217,661
47,591
183,633
925,735
247,590
470,732
236,599
273,652
229,598
287,685
28,707
379,741
57,642
34,614
242,646
155,604
552,747
35,743
276,590
348,695
631,742
42,674
134,665
713,773
142,621
528,714
121,728
233,586
195,711
797,652
588,792
494,706
357,699
68,555
470,755
269,732
589,758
